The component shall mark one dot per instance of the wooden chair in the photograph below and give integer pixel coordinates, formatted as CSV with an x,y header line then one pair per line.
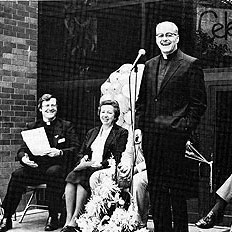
x,y
33,189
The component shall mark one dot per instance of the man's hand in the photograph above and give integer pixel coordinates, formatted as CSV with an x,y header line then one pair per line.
x,y
84,159
53,152
138,136
28,162
96,165
124,169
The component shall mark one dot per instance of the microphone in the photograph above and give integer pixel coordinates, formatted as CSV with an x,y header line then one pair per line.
x,y
140,53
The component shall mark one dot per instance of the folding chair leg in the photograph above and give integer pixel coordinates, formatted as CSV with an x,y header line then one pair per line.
x,y
27,206
15,217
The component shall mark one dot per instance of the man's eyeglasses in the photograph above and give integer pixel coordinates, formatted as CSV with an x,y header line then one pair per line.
x,y
168,35
49,106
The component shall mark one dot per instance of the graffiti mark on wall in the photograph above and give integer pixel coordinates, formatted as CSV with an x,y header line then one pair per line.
x,y
217,23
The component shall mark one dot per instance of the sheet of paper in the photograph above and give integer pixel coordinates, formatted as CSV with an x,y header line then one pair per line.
x,y
36,140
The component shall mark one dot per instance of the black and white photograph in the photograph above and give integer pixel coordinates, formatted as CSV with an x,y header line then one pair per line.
x,y
116,115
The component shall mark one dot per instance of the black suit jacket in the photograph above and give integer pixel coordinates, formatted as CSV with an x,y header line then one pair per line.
x,y
181,100
62,135
115,144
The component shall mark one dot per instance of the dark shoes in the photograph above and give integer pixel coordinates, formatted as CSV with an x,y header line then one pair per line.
x,y
209,221
52,224
6,224
70,229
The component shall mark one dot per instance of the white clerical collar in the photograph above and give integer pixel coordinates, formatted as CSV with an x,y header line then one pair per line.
x,y
48,122
170,55
165,56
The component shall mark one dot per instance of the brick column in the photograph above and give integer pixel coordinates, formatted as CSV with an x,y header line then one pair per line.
x,y
18,79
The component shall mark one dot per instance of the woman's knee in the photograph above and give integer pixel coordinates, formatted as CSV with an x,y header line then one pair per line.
x,y
70,188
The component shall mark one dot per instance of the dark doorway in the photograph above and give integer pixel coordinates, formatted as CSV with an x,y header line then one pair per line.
x,y
223,136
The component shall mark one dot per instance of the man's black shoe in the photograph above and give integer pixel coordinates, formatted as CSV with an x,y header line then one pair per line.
x,y
209,221
6,224
52,224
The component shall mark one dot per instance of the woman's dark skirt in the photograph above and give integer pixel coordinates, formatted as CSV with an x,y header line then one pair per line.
x,y
81,177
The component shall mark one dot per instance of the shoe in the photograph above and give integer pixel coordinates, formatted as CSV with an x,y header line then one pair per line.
x,y
70,229
52,224
5,224
65,229
209,221
142,225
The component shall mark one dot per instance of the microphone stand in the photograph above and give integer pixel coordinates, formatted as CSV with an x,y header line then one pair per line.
x,y
132,104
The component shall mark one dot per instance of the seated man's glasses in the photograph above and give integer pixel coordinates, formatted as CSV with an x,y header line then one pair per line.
x,y
51,106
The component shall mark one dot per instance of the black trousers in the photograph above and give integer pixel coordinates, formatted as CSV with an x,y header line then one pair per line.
x,y
53,176
164,155
167,206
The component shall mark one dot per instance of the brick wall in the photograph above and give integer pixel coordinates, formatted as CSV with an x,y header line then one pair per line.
x,y
18,79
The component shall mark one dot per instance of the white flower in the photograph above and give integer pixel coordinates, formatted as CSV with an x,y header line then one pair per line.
x,y
105,196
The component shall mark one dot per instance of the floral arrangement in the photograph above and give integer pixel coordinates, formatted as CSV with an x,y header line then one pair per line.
x,y
107,211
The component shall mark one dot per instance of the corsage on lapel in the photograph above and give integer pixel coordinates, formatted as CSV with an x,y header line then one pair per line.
x,y
61,140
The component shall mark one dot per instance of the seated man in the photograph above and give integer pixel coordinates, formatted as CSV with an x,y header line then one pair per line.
x,y
49,167
139,185
224,196
140,192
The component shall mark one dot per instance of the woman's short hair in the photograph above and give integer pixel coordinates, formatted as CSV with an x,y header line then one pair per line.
x,y
45,97
111,103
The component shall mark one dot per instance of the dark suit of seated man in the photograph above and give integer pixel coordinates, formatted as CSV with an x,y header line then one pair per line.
x,y
49,167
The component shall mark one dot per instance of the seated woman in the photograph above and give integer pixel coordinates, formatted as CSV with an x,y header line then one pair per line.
x,y
100,144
